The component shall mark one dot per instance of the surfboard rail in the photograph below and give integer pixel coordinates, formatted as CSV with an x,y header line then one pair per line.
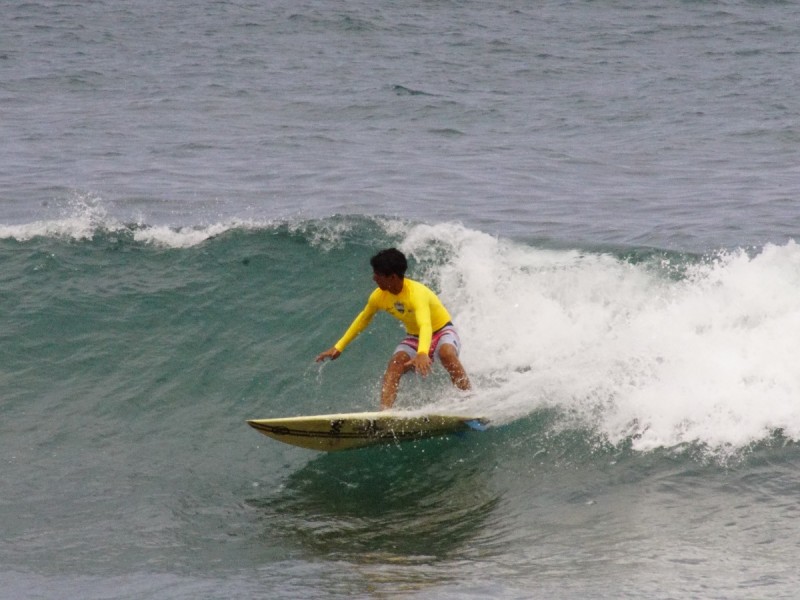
x,y
357,430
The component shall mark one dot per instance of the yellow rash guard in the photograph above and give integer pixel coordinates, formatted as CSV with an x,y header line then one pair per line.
x,y
416,306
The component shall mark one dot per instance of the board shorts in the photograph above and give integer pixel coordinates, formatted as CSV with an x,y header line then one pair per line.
x,y
444,335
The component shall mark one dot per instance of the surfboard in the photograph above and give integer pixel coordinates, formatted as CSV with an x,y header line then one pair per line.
x,y
356,430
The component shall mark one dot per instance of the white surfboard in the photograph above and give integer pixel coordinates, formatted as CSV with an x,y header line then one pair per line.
x,y
357,430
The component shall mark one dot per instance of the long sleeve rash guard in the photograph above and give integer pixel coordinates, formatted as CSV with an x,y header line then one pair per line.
x,y
416,306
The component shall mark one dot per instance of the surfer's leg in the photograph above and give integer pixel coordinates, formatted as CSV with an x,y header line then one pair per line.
x,y
391,378
448,354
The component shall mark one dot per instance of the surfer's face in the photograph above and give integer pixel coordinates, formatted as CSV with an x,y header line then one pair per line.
x,y
388,283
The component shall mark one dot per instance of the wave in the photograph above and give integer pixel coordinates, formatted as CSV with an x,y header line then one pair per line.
x,y
643,348
87,217
664,350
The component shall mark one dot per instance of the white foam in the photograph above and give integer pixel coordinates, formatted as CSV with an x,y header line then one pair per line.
x,y
711,356
184,237
82,216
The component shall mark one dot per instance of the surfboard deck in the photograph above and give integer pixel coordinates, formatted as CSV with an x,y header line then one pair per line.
x,y
357,430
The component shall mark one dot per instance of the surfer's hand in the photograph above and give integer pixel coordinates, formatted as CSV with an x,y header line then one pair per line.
x,y
421,363
331,353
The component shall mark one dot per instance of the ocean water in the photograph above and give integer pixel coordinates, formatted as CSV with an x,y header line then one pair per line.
x,y
605,195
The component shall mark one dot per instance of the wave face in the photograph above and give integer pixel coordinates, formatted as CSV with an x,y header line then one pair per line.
x,y
661,348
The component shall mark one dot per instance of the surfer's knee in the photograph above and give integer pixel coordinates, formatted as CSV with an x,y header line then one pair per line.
x,y
397,364
395,369
448,355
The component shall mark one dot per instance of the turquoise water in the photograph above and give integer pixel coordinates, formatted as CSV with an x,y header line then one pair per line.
x,y
603,193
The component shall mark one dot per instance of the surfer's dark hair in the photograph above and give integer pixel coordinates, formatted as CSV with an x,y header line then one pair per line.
x,y
389,262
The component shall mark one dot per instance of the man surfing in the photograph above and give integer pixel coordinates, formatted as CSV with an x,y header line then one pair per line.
x,y
430,332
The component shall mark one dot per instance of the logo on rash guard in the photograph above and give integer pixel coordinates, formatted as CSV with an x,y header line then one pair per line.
x,y
399,307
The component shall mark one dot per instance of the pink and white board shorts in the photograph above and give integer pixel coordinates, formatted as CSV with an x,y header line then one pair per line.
x,y
445,335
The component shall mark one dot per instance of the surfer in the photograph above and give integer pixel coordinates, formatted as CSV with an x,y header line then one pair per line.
x,y
430,332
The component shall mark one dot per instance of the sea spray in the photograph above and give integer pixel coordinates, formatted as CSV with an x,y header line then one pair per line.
x,y
628,348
